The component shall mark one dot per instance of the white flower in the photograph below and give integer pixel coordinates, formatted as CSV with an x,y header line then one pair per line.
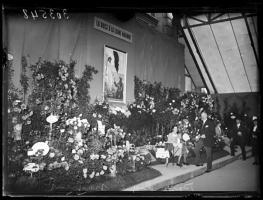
x,y
105,167
73,151
173,101
52,119
46,107
76,156
29,122
24,117
94,115
80,152
85,175
154,111
18,127
66,86
32,167
51,155
31,113
75,127
62,130
101,172
85,121
97,174
103,156
85,170
99,116
92,156
92,174
71,140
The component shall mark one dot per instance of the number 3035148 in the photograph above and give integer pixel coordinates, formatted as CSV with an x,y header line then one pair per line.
x,y
50,13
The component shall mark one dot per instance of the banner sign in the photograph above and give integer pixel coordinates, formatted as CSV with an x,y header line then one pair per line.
x,y
111,29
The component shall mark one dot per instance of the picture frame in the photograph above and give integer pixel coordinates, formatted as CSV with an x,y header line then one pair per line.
x,y
114,75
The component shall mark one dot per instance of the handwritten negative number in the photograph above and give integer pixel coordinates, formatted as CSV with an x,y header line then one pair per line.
x,y
45,14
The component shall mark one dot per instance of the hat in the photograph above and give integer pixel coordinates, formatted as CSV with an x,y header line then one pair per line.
x,y
254,118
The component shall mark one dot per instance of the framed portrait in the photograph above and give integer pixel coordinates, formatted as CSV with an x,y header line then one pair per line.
x,y
114,75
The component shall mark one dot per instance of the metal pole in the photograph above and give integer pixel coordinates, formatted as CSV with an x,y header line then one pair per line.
x,y
201,58
251,39
193,56
217,21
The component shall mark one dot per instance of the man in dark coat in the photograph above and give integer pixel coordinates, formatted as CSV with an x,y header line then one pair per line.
x,y
238,137
206,139
255,140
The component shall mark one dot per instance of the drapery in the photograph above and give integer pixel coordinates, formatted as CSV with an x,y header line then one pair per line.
x,y
151,56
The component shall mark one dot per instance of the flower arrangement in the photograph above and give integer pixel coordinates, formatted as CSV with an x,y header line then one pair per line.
x,y
19,116
116,135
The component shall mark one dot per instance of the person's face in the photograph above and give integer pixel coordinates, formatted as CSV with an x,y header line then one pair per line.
x,y
175,129
255,122
238,121
203,116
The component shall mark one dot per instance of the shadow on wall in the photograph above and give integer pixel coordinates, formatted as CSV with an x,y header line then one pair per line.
x,y
239,103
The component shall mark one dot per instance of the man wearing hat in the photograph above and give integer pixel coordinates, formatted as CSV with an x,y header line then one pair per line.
x,y
238,137
206,139
255,140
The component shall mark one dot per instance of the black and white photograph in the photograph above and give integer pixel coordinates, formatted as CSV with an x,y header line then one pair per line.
x,y
115,65
161,102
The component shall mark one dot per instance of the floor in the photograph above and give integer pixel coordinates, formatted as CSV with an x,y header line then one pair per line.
x,y
237,176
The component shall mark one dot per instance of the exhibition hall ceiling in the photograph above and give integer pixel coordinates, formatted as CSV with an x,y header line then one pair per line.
x,y
225,49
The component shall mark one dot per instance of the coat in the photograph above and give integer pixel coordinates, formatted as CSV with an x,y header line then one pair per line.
x,y
208,129
239,138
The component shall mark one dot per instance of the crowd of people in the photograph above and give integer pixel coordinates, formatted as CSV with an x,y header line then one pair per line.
x,y
236,133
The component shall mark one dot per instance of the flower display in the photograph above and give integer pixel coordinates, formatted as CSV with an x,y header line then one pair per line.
x,y
93,140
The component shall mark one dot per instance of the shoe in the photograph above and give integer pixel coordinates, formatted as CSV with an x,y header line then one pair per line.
x,y
207,171
180,165
185,163
199,164
244,159
232,154
255,163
